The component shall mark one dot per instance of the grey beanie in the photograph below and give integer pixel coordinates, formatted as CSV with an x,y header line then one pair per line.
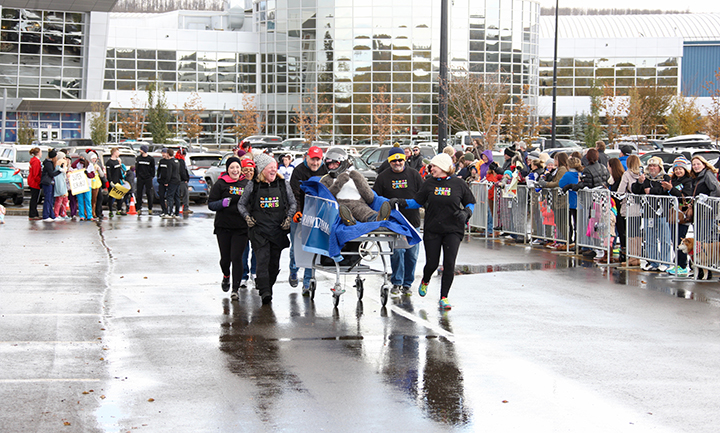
x,y
261,161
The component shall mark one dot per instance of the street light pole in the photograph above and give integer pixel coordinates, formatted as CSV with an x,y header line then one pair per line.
x,y
443,78
554,88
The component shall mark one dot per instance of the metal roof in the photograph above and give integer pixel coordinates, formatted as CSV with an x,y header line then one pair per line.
x,y
62,5
59,105
690,27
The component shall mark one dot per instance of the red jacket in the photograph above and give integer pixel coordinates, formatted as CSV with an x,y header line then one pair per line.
x,y
35,173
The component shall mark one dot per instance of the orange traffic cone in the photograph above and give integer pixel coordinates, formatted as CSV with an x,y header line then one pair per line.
x,y
131,209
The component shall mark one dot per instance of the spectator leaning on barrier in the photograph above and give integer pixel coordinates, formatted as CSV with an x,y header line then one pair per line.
x,y
484,161
561,161
616,174
706,181
231,229
311,167
680,186
593,176
631,214
401,182
571,177
650,183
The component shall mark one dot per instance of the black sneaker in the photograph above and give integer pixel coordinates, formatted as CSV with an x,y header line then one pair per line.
x,y
266,299
225,284
384,213
346,216
293,280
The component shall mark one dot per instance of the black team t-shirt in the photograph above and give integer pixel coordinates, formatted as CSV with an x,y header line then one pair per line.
x,y
442,198
400,185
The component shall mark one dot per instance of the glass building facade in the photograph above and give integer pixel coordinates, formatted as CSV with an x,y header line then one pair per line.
x,y
336,56
41,53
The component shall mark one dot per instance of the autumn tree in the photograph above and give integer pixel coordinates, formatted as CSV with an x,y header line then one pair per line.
x,y
712,121
132,122
685,117
311,118
248,121
476,103
521,123
190,116
98,124
646,108
593,127
614,108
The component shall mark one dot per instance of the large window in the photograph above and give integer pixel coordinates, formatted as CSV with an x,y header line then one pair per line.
x,y
41,53
183,71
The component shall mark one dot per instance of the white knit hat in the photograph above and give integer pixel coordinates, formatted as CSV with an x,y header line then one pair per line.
x,y
442,161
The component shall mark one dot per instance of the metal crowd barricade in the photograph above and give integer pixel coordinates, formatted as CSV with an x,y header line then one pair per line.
x,y
479,218
511,210
595,221
706,254
549,215
652,236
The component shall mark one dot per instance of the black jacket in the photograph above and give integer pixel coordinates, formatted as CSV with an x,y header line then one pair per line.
x,y
144,167
48,173
593,176
114,170
654,185
300,174
164,170
705,183
175,172
227,218
183,171
415,161
400,185
682,187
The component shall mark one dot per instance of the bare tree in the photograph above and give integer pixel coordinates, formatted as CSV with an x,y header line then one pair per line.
x,y
190,116
248,121
614,108
476,103
132,122
311,118
712,121
521,122
386,116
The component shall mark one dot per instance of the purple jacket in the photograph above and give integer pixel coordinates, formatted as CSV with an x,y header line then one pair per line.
x,y
484,166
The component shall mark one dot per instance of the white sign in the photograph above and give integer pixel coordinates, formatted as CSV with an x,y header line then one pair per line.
x,y
78,182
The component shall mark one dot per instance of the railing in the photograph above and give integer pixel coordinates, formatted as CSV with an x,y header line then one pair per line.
x,y
706,252
652,236
479,219
595,221
511,210
550,215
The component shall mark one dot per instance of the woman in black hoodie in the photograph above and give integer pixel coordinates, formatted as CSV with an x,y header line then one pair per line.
x,y
48,185
231,229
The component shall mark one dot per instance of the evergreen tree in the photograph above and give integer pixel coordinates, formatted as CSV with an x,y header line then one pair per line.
x,y
158,113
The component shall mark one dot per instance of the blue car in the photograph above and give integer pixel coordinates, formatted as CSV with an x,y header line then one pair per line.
x,y
11,183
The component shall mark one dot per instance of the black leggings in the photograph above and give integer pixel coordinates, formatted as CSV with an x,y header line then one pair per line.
x,y
34,199
232,245
268,266
449,243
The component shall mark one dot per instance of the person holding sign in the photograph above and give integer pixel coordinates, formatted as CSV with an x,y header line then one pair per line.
x,y
80,180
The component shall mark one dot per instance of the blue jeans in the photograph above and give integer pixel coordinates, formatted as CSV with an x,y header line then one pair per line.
x,y
490,221
403,263
293,267
48,201
253,263
659,245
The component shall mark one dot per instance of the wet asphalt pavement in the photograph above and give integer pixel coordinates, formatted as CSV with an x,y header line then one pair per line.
x,y
123,327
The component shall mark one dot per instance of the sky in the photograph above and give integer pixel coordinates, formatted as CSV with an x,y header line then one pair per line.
x,y
696,6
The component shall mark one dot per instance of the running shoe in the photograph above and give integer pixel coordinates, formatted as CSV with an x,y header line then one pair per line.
x,y
225,284
395,289
445,304
306,291
422,290
243,283
234,295
407,291
293,280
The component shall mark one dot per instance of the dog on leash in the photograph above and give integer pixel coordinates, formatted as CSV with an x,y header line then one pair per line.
x,y
687,246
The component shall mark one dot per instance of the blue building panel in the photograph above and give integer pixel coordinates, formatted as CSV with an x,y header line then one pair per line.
x,y
700,63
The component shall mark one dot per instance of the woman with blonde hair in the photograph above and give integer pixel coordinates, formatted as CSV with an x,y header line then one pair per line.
x,y
706,181
631,214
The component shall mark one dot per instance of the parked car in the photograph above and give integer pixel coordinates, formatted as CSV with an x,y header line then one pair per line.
x,y
364,169
546,144
18,155
374,157
215,170
198,163
688,142
198,189
11,182
265,142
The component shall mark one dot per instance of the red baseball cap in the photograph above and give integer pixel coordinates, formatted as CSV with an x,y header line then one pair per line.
x,y
247,162
315,152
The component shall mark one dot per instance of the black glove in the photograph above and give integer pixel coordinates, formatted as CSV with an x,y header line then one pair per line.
x,y
397,202
333,174
463,214
566,188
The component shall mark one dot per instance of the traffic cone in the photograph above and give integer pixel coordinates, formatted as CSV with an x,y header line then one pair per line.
x,y
131,209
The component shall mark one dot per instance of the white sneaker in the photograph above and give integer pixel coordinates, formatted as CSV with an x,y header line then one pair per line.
x,y
243,283
663,267
49,220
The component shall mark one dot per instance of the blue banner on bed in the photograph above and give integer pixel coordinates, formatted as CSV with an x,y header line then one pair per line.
x,y
318,218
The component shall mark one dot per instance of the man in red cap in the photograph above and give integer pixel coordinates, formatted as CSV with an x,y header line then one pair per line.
x,y
311,167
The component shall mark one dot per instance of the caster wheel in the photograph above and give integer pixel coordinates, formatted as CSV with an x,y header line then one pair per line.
x,y
359,287
312,286
384,293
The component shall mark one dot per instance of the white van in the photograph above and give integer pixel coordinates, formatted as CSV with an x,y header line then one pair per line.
x,y
466,138
19,155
